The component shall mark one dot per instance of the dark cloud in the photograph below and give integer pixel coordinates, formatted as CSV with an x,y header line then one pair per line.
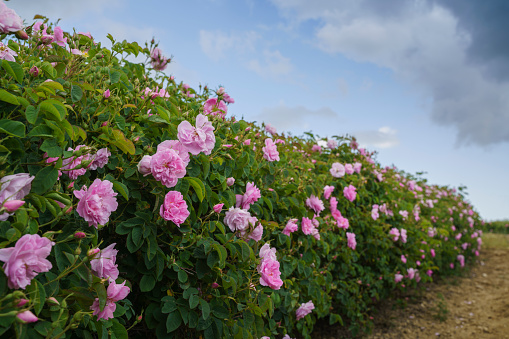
x,y
487,23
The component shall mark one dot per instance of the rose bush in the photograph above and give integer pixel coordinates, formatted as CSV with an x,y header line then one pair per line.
x,y
148,211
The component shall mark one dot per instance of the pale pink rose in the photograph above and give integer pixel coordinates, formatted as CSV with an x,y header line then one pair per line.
x,y
304,310
174,208
144,165
337,170
357,167
403,259
14,187
247,142
103,265
315,204
215,107
349,169
58,36
411,185
230,181
197,139
100,159
218,207
332,144
333,204
398,278
270,152
252,195
228,98
291,226
237,219
316,148
9,20
257,233
307,226
411,273
354,144
270,129
158,61
167,167
395,233
176,146
403,235
404,214
327,191
97,202
432,252
350,192
267,253
106,94
287,337
26,259
351,240
115,292
374,212
27,317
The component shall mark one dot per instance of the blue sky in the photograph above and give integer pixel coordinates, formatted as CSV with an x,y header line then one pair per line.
x,y
423,82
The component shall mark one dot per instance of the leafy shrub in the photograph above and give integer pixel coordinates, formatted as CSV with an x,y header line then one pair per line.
x,y
123,233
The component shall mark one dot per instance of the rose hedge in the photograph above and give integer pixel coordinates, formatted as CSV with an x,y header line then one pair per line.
x,y
252,234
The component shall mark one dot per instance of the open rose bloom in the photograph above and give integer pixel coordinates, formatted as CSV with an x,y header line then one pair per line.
x,y
97,202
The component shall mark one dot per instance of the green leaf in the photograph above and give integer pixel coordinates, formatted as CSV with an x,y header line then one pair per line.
x,y
55,108
198,186
205,309
37,295
51,147
173,321
119,330
122,189
114,77
76,93
147,283
8,97
44,180
14,69
15,128
220,312
41,131
182,276
31,113
193,301
101,294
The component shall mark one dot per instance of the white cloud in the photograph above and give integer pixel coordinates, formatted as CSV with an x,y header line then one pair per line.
x,y
272,65
384,137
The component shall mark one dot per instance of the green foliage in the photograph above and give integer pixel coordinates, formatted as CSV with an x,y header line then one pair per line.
x,y
199,279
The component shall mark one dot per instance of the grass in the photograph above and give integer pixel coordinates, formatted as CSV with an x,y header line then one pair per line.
x,y
495,241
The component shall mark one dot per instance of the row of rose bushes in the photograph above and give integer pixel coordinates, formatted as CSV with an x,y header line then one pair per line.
x,y
134,205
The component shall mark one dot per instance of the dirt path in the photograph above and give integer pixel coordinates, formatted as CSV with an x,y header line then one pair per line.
x,y
474,306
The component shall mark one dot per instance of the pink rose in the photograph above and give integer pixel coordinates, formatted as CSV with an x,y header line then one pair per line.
x,y
252,195
461,259
403,259
75,161
351,240
9,20
176,146
218,207
106,94
58,36
174,208
237,219
357,167
270,129
26,259
103,265
100,159
403,235
327,191
333,204
342,222
97,202
167,167
350,192
270,152
315,204
27,317
291,226
411,273
349,169
115,292
267,253
316,148
398,278
270,274
12,205
214,107
307,226
247,142
332,144
14,187
197,139
230,181
158,61
6,53
304,309
394,232
337,170
144,165
432,252
257,232
34,71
